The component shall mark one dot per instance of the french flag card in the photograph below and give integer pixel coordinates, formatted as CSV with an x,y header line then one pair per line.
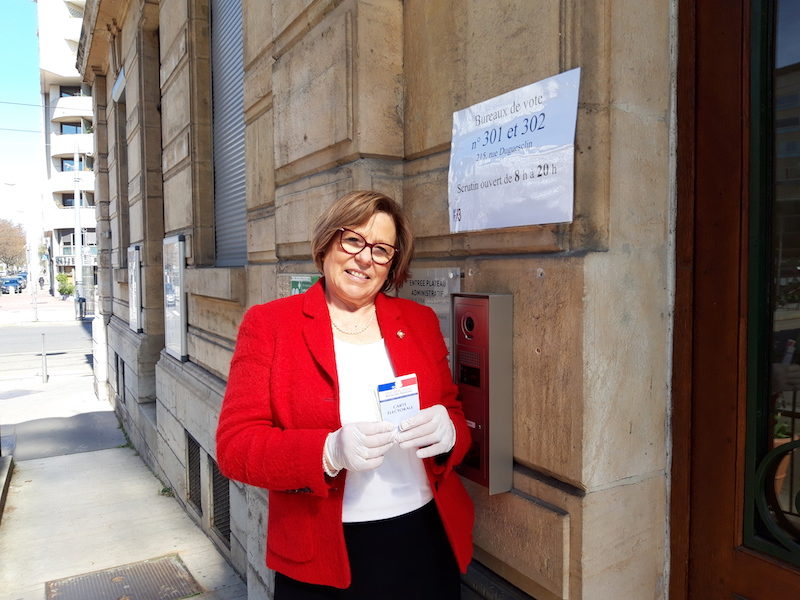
x,y
398,399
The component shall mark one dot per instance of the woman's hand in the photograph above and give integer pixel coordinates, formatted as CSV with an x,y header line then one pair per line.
x,y
358,446
431,430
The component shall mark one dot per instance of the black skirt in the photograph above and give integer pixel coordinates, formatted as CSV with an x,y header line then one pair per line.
x,y
403,558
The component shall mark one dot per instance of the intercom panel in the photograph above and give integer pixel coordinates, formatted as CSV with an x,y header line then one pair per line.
x,y
482,369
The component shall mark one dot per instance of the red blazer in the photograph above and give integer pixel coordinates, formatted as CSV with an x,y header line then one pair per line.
x,y
281,402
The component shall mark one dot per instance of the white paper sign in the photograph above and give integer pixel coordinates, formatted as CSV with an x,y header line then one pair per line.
x,y
512,157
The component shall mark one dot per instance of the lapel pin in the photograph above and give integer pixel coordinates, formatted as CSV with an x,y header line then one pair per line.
x,y
401,334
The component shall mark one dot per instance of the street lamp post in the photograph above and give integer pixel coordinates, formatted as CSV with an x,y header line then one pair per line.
x,y
77,245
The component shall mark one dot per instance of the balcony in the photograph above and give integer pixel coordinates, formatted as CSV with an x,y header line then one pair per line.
x,y
87,251
70,108
64,181
64,144
57,217
63,260
72,29
64,255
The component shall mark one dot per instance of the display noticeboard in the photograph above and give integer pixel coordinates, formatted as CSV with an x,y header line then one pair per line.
x,y
512,157
135,288
175,297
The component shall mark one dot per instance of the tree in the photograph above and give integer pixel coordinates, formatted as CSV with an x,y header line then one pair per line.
x,y
65,285
12,244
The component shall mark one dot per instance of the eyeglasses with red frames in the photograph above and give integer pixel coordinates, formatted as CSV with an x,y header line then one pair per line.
x,y
353,243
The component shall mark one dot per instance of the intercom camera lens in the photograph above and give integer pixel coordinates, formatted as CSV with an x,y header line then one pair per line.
x,y
469,324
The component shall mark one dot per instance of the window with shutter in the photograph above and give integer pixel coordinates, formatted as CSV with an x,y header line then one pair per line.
x,y
227,81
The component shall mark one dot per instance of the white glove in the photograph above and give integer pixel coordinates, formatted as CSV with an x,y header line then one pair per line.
x,y
431,431
358,446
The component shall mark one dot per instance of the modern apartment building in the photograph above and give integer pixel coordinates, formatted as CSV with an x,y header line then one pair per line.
x,y
68,194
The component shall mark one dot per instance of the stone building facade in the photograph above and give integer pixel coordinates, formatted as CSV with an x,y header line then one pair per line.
x,y
352,94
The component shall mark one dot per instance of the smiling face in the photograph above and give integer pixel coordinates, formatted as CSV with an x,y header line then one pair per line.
x,y
353,281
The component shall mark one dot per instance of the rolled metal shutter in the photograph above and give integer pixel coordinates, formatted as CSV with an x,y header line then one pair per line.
x,y
227,83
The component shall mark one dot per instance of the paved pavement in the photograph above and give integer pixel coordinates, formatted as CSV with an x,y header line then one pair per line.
x,y
32,306
81,501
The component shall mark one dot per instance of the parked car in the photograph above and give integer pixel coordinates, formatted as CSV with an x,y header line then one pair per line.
x,y
10,285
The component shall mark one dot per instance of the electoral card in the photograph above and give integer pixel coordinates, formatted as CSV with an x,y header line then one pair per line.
x,y
398,399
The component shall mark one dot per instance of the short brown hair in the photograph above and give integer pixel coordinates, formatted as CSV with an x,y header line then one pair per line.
x,y
354,209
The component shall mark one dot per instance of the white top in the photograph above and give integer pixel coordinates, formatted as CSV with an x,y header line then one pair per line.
x,y
399,485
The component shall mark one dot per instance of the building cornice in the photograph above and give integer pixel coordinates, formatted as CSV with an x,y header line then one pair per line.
x,y
100,24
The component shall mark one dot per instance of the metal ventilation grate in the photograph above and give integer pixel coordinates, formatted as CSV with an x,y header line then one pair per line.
x,y
221,510
194,493
163,578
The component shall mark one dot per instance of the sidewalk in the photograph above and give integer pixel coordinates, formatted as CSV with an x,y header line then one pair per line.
x,y
84,517
18,309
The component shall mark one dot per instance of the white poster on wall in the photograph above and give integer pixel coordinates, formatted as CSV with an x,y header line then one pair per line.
x,y
175,297
135,288
512,157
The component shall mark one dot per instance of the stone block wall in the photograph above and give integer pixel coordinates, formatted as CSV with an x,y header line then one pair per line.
x,y
353,94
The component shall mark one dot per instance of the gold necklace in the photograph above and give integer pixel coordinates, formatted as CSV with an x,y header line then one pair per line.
x,y
357,331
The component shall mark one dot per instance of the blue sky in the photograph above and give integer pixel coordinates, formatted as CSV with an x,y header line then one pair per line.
x,y
20,154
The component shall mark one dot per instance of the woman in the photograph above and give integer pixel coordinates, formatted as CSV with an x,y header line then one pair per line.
x,y
358,508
